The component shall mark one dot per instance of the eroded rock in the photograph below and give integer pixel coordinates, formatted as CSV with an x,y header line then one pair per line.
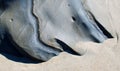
x,y
43,28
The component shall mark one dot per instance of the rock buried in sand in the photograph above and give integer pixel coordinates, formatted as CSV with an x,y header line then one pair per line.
x,y
44,28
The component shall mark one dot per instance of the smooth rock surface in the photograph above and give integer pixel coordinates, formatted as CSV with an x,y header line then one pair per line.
x,y
98,57
43,29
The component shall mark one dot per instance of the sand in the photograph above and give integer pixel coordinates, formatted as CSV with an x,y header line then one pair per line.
x,y
97,57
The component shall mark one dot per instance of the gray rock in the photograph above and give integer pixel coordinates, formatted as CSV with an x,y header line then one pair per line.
x,y
37,26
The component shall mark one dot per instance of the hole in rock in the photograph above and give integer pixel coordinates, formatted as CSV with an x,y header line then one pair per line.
x,y
73,18
66,48
9,50
11,20
68,4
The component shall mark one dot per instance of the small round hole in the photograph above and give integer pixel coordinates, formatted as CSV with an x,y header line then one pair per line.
x,y
11,20
73,18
